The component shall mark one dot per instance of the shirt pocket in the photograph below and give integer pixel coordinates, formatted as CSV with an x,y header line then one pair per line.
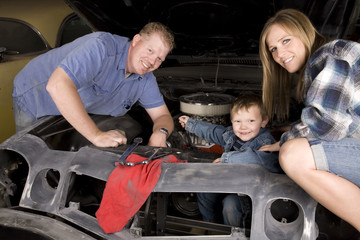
x,y
92,95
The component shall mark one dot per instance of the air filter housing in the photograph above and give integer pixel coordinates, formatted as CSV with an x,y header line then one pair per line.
x,y
206,104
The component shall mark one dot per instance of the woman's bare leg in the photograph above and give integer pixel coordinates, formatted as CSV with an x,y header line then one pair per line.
x,y
335,193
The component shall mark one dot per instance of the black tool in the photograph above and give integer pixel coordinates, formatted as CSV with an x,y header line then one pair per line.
x,y
122,159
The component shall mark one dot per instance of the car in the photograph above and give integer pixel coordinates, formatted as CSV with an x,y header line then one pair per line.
x,y
30,28
53,179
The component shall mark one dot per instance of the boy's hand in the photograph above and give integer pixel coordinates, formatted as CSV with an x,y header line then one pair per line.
x,y
218,160
270,148
183,120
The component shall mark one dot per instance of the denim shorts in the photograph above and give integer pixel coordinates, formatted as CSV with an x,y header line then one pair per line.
x,y
339,157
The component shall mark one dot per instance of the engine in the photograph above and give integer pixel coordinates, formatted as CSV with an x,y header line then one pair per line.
x,y
210,107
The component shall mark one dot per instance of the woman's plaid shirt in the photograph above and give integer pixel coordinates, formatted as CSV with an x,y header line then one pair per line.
x,y
332,94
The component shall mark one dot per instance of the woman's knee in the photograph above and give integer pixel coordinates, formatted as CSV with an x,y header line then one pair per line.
x,y
295,156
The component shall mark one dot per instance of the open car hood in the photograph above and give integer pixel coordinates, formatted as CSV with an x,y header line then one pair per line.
x,y
219,27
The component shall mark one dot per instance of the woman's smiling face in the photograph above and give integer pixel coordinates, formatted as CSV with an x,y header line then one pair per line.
x,y
286,49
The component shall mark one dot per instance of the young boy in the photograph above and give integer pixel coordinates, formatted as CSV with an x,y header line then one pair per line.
x,y
241,143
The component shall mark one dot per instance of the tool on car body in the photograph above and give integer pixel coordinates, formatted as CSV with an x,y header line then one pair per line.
x,y
122,159
151,157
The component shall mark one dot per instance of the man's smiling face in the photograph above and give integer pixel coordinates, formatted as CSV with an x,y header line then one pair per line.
x,y
146,53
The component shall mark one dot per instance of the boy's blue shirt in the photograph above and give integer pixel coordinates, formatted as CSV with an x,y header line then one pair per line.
x,y
225,137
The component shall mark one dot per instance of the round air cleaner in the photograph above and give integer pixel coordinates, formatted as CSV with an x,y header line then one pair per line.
x,y
206,104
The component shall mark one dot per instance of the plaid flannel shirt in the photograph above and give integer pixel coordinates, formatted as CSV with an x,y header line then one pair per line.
x,y
332,94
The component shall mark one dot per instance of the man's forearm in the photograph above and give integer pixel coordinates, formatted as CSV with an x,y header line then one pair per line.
x,y
165,121
65,96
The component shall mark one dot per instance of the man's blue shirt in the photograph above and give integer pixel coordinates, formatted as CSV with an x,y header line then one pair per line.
x,y
96,64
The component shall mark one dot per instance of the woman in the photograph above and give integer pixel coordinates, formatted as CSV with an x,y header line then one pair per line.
x,y
320,152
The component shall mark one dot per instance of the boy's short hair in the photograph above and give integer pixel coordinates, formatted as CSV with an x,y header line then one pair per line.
x,y
157,27
246,101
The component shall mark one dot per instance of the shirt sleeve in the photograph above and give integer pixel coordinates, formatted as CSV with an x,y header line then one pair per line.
x,y
85,62
151,96
248,155
210,132
325,115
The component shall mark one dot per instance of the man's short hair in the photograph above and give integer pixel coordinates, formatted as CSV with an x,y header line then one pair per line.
x,y
165,31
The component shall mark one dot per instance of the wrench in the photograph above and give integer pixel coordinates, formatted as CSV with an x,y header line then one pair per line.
x,y
122,159
148,159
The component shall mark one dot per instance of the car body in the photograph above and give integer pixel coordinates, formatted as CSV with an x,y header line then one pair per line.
x,y
30,28
52,174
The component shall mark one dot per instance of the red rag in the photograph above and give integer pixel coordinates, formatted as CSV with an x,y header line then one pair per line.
x,y
126,191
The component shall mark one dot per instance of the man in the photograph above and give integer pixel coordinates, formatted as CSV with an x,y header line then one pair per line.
x,y
99,73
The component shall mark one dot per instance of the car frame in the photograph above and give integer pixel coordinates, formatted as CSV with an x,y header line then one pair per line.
x,y
42,195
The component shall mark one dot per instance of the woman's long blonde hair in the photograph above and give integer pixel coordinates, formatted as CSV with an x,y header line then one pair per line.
x,y
277,82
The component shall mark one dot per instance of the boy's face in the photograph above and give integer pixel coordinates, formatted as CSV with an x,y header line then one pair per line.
x,y
247,123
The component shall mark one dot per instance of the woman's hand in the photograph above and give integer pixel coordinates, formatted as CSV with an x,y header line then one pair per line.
x,y
270,148
218,160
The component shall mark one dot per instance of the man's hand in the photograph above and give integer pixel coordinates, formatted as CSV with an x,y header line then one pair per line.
x,y
157,139
161,118
270,148
112,138
64,93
